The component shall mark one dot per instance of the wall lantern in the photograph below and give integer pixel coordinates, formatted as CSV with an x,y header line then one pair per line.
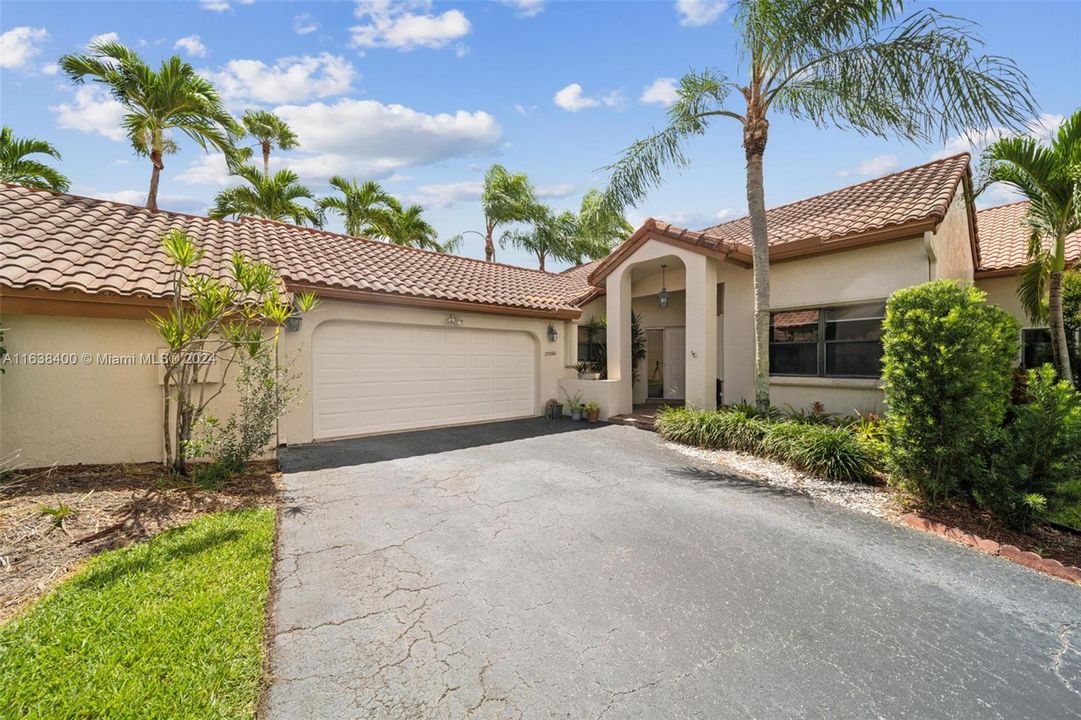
x,y
292,323
662,296
453,319
552,334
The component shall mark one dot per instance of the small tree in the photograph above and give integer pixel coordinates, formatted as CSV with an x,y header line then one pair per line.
x,y
210,321
552,235
947,371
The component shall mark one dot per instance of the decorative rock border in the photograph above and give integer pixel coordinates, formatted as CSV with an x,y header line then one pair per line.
x,y
1009,552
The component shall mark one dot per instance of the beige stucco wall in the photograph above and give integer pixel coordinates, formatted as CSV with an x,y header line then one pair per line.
x,y
89,411
1002,291
297,426
952,243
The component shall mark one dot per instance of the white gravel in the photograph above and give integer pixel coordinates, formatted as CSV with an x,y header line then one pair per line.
x,y
873,500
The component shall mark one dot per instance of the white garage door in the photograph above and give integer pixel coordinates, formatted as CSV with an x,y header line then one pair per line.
x,y
372,377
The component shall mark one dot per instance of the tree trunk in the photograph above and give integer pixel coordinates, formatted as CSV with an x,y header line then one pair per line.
x,y
266,160
755,132
1060,350
489,246
152,196
540,259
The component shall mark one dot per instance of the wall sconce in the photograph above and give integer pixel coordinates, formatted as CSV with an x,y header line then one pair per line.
x,y
292,323
453,319
552,334
662,296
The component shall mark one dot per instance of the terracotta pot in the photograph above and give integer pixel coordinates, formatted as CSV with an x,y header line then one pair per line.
x,y
593,416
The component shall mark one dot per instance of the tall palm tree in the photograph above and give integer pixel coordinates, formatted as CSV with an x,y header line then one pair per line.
x,y
269,131
506,198
274,198
849,64
552,235
1050,177
599,229
405,226
157,103
17,169
363,206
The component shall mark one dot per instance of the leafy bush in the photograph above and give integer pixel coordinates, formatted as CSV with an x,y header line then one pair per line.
x,y
1040,453
947,373
266,391
870,432
831,452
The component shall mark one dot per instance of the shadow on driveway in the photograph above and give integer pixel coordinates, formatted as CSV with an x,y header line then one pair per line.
x,y
379,448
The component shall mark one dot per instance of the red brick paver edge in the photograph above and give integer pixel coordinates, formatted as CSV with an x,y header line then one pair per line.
x,y
1009,552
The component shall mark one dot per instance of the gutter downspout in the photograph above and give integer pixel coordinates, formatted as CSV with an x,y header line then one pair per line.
x,y
932,259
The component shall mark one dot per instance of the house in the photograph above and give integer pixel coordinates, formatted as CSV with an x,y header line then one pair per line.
x,y
408,338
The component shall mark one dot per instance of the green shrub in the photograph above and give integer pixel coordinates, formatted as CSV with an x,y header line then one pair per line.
x,y
831,452
870,432
947,373
1039,458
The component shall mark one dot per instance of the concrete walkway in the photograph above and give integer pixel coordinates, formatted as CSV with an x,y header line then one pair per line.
x,y
591,573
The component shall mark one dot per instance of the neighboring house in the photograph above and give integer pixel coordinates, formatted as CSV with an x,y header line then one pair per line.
x,y
407,338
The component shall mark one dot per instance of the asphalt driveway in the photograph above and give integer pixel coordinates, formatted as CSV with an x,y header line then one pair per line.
x,y
512,571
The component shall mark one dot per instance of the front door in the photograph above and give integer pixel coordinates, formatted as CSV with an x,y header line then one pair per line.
x,y
675,356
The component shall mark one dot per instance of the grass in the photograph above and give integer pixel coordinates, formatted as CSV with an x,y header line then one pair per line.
x,y
171,627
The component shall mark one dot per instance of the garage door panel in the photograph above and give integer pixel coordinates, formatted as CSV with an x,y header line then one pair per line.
x,y
371,378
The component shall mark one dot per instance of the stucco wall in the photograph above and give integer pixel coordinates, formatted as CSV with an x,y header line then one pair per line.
x,y
89,411
298,426
1002,291
952,243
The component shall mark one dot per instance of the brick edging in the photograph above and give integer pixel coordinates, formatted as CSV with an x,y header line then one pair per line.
x,y
1009,552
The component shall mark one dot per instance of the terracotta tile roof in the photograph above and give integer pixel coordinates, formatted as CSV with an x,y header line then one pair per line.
x,y
54,241
579,278
1003,239
909,196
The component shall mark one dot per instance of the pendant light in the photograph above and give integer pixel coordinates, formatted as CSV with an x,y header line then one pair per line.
x,y
662,296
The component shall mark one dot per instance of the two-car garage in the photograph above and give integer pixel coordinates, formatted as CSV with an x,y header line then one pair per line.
x,y
370,377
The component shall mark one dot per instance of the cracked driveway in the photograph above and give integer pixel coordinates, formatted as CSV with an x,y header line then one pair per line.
x,y
506,571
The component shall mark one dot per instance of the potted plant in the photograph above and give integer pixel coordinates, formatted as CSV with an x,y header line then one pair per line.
x,y
593,411
574,402
553,409
587,371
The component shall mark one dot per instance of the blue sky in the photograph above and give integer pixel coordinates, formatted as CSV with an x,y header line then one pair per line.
x,y
424,96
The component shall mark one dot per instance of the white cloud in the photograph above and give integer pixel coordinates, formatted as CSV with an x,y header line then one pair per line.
x,y
367,139
661,91
94,111
526,8
166,201
303,24
291,79
214,5
50,69
876,166
695,13
976,141
692,220
109,37
572,99
447,194
18,45
406,25
552,192
191,45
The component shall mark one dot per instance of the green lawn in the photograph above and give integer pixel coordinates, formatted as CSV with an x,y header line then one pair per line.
x,y
170,628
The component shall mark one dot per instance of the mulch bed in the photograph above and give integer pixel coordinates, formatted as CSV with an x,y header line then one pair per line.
x,y
1044,540
101,507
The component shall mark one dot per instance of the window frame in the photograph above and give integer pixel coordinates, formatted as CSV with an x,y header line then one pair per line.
x,y
822,343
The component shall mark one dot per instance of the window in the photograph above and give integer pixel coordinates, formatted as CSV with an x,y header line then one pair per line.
x,y
591,350
1036,347
827,342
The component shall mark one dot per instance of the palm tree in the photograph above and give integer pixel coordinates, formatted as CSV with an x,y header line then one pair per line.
x,y
268,130
15,168
552,235
847,64
173,98
1048,175
405,226
598,229
363,206
506,198
274,198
